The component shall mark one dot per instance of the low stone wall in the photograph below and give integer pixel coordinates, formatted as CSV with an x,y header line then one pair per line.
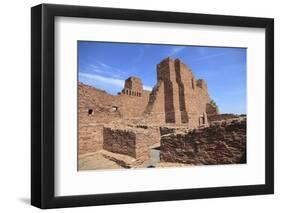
x,y
221,117
164,130
120,141
153,132
90,138
129,141
222,143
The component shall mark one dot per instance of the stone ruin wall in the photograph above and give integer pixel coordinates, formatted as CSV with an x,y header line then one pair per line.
x,y
96,106
132,106
133,87
221,117
106,108
222,143
177,97
194,96
155,109
133,99
90,138
131,141
120,141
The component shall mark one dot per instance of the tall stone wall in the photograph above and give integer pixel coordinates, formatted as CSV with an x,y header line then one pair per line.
x,y
181,79
194,96
133,87
97,106
132,106
166,73
221,143
176,99
155,110
178,96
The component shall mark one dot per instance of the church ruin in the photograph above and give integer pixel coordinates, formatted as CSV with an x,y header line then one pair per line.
x,y
178,97
137,120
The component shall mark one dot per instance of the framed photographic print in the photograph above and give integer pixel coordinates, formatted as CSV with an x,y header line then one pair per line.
x,y
139,106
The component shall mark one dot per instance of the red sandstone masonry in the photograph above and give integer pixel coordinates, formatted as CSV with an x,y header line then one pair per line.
x,y
122,141
107,108
221,117
184,99
130,141
155,110
90,138
221,143
177,99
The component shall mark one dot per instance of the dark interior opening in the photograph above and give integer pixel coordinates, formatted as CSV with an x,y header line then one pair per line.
x,y
114,108
90,111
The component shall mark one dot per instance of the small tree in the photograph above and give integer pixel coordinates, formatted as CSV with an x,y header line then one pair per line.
x,y
214,104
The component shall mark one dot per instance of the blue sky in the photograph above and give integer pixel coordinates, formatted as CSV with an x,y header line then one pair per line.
x,y
106,65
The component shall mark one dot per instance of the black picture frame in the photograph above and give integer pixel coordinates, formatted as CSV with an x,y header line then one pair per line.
x,y
43,102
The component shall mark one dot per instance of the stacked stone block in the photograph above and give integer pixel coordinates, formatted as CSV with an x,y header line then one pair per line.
x,y
133,87
90,138
222,143
133,142
176,99
184,98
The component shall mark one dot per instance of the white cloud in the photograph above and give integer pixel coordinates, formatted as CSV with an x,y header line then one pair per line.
x,y
105,66
102,79
145,87
208,57
100,68
107,83
176,50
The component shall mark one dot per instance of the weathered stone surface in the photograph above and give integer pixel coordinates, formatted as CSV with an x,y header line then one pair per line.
x,y
221,117
122,141
164,130
90,138
97,106
133,87
177,97
221,143
131,141
129,125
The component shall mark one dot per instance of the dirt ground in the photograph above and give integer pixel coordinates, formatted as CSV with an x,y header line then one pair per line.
x,y
103,160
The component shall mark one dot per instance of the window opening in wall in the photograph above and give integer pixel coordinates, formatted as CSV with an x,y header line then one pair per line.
x,y
192,83
90,112
114,108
